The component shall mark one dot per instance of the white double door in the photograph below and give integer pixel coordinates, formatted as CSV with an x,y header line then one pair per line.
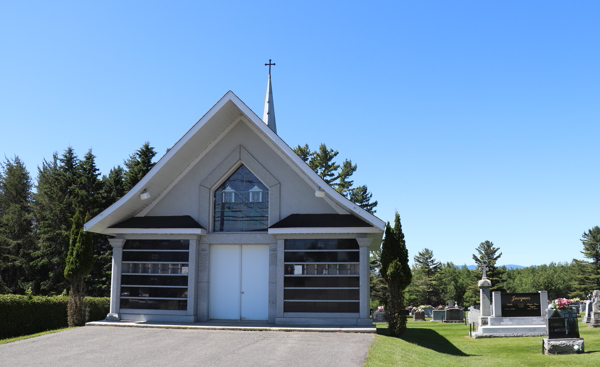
x,y
239,282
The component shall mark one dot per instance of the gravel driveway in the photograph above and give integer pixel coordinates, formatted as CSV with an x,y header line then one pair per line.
x,y
128,347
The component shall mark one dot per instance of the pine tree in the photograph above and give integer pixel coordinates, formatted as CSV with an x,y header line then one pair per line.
x,y
113,186
486,253
16,227
88,187
591,250
326,168
344,184
361,196
396,272
322,162
138,165
426,264
587,274
55,203
78,265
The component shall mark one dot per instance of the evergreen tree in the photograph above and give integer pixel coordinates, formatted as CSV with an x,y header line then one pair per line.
x,y
344,184
78,265
336,176
587,273
16,233
361,196
55,203
426,264
425,261
88,187
138,165
487,253
378,286
113,186
396,273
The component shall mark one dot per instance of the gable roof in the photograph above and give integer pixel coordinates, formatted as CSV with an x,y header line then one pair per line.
x,y
200,138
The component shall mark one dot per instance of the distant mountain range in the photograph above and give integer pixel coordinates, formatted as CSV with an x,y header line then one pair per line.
x,y
509,266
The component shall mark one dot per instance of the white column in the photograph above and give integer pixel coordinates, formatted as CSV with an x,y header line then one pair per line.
x,y
272,282
280,270
497,304
115,278
364,244
544,303
484,301
192,271
202,302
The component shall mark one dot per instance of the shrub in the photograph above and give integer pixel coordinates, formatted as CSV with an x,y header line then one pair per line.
x,y
23,315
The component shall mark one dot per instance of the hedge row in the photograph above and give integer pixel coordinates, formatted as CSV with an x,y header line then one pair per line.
x,y
20,315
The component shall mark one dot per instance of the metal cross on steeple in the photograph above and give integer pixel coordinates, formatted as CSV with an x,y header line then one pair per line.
x,y
269,64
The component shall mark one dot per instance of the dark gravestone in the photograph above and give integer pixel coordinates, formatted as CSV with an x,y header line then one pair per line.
x,y
419,316
454,315
379,316
563,326
520,304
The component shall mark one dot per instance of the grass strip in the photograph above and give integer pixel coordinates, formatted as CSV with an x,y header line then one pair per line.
x,y
438,344
22,337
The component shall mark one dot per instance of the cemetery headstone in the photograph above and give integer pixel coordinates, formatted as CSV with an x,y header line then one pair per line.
x,y
595,319
438,315
563,333
520,305
419,316
588,311
454,315
379,316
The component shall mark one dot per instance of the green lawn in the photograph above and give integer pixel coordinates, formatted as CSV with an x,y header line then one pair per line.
x,y
438,344
10,340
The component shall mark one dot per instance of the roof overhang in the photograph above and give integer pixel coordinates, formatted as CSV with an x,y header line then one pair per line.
x,y
323,230
192,231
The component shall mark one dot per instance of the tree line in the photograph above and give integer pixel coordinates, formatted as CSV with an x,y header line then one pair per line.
x,y
37,217
436,283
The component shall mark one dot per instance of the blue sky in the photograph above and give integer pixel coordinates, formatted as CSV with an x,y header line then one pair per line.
x,y
476,120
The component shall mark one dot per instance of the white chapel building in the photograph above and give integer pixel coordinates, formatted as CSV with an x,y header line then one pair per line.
x,y
231,224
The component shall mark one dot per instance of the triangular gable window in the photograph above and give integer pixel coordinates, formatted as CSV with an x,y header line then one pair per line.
x,y
241,203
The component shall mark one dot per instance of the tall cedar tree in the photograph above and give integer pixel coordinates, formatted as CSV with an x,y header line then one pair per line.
x,y
54,205
138,165
336,176
486,252
396,273
78,265
17,241
426,264
587,274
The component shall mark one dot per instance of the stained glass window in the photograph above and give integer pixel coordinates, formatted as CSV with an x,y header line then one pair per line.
x,y
241,203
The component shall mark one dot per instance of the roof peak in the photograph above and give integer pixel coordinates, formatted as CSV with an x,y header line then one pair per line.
x,y
269,113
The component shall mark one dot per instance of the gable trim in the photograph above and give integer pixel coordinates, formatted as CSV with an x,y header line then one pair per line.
x,y
189,168
138,188
339,202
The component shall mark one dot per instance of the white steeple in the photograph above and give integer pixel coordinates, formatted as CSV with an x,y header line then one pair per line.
x,y
269,114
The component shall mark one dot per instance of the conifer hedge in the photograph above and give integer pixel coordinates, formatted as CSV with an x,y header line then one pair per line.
x,y
23,315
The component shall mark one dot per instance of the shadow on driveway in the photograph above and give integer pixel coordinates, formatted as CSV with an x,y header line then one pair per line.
x,y
429,339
